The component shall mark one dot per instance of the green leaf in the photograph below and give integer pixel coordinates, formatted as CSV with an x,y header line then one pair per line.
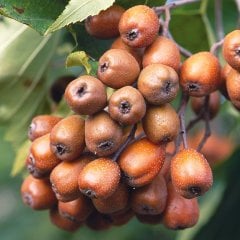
x,y
79,58
94,47
21,156
77,11
189,30
152,3
24,58
38,14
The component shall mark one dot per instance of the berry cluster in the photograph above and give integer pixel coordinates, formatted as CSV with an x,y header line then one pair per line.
x,y
112,164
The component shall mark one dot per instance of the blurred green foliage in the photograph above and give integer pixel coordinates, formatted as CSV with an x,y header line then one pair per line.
x,y
30,63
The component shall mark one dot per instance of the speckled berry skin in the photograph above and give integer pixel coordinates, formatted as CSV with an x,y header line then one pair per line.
x,y
158,84
191,174
100,178
86,95
41,159
77,210
116,202
200,74
164,51
197,104
233,87
67,138
61,222
118,68
180,212
141,162
64,178
161,123
41,125
150,199
231,49
127,106
105,24
37,193
103,135
139,26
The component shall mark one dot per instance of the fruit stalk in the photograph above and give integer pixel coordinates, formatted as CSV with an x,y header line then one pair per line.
x,y
125,144
181,114
219,19
159,10
207,132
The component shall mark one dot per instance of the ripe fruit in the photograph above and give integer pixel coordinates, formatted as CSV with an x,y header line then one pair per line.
x,y
233,87
141,162
41,160
86,95
64,178
97,221
102,134
116,202
41,125
139,26
214,155
180,212
67,138
137,53
197,104
127,105
77,210
58,87
161,123
105,24
231,49
158,84
99,178
200,74
117,68
37,193
122,217
191,174
62,222
163,50
149,219
224,73
150,199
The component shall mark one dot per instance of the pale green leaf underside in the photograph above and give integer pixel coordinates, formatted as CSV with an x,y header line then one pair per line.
x,y
77,11
24,58
79,58
21,156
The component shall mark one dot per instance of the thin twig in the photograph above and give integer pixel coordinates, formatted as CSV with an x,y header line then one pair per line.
x,y
194,121
159,10
166,22
125,144
219,19
238,6
181,114
207,132
216,46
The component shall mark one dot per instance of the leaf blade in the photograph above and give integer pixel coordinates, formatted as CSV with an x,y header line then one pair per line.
x,y
75,12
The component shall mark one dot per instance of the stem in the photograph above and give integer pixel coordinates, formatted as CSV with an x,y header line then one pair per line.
x,y
125,144
238,6
216,46
194,121
181,114
167,21
207,132
219,19
159,10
